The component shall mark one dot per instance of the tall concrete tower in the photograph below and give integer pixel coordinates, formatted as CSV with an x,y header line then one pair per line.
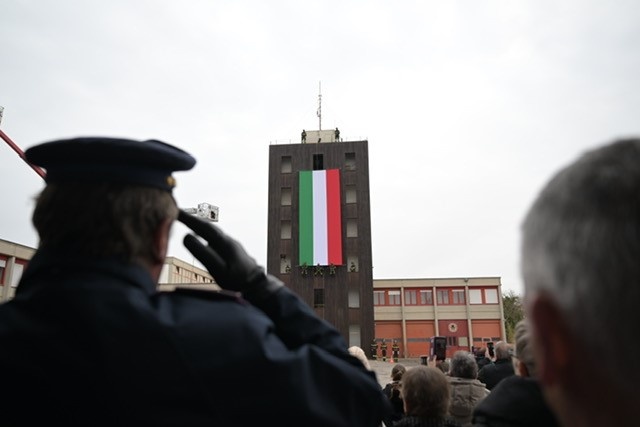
x,y
319,228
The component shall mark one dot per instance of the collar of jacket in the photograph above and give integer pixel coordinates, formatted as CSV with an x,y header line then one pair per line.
x,y
48,268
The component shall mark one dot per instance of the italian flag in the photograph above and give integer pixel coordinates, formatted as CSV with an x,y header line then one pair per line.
x,y
320,218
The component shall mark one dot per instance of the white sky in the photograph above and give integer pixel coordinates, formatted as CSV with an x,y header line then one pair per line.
x,y
468,106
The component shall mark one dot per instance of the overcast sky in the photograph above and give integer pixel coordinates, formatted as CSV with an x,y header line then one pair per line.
x,y
469,107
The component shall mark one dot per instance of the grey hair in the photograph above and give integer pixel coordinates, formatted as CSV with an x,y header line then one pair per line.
x,y
524,350
581,246
502,350
463,365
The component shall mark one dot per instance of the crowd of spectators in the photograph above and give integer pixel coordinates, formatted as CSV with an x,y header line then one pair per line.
x,y
479,391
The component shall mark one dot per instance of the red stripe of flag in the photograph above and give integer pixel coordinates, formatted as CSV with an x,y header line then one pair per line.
x,y
334,226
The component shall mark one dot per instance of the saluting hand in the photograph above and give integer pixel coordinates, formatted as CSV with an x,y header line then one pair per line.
x,y
226,260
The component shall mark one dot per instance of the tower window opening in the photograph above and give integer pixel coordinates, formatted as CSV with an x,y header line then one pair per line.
x,y
318,163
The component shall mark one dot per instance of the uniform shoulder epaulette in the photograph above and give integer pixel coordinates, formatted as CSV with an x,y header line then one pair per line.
x,y
211,294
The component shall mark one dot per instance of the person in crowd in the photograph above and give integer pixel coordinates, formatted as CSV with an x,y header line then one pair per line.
x,y
89,340
501,368
392,391
466,390
580,252
358,352
426,395
374,349
444,366
517,401
482,358
383,346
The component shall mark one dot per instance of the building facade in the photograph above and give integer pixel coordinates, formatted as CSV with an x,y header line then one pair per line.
x,y
468,312
13,260
319,229
176,272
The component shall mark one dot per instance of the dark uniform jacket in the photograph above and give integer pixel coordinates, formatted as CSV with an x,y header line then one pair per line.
x,y
91,342
515,402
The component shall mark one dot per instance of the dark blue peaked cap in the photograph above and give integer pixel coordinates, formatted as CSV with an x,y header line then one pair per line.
x,y
98,159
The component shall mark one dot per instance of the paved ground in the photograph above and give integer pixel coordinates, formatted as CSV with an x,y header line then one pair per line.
x,y
383,369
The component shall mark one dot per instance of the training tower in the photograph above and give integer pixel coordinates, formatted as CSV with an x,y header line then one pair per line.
x,y
319,228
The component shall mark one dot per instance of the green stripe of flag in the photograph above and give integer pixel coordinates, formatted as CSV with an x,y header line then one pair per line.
x,y
306,218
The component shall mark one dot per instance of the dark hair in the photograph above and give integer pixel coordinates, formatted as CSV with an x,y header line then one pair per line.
x,y
397,372
102,219
426,392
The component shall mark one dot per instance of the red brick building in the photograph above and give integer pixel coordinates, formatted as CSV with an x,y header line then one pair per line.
x,y
466,311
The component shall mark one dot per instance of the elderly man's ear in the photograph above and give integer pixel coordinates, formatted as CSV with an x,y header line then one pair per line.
x,y
553,343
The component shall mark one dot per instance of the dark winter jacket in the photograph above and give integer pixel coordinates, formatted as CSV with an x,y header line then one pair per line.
x,y
515,402
492,374
392,391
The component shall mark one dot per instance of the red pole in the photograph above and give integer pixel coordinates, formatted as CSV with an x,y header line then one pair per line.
x,y
17,149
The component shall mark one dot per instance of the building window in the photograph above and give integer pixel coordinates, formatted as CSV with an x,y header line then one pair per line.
x,y
285,264
352,228
458,296
426,297
318,298
18,268
354,299
410,297
452,341
378,298
318,162
350,194
350,161
354,335
285,230
3,264
442,296
394,297
483,296
491,296
285,196
285,164
475,296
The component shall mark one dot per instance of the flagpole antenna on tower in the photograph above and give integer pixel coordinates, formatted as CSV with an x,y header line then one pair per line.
x,y
319,112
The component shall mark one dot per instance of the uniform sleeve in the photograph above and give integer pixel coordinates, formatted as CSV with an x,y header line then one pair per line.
x,y
319,359
296,324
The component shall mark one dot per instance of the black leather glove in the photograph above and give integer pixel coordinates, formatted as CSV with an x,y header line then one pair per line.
x,y
226,260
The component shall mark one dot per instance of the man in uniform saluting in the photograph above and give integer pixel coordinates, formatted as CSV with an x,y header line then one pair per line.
x,y
87,315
